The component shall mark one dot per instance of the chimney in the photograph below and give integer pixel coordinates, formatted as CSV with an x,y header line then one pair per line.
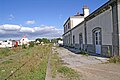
x,y
78,13
85,11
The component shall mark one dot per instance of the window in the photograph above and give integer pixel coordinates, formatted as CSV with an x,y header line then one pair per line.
x,y
97,37
73,39
5,41
68,25
64,29
80,39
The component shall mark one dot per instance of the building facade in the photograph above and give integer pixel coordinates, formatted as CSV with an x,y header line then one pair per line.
x,y
24,40
96,33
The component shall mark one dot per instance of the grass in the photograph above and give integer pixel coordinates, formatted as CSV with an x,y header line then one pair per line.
x,y
4,52
35,59
7,62
115,59
35,68
69,73
84,53
54,63
64,72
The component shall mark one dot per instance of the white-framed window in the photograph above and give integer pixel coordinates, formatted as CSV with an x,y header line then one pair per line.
x,y
97,38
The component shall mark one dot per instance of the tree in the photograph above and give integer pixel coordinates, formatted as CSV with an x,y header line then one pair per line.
x,y
38,39
56,40
45,40
31,44
59,39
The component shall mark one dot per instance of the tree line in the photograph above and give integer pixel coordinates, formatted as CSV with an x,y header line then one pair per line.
x,y
45,40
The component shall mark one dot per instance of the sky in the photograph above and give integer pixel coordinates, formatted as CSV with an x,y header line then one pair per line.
x,y
39,18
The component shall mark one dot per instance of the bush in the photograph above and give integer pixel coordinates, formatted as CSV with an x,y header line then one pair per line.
x,y
31,44
45,40
115,59
24,46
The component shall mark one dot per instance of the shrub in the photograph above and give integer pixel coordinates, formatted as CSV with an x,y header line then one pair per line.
x,y
31,44
115,59
24,46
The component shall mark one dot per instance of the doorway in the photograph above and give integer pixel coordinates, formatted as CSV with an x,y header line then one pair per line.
x,y
97,41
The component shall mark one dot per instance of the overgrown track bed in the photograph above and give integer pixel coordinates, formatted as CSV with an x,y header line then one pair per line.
x,y
13,73
6,52
31,66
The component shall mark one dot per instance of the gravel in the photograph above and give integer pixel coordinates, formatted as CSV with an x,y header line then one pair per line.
x,y
90,67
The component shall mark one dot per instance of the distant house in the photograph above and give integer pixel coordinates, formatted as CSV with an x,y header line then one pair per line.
x,y
7,43
60,42
24,40
96,33
18,43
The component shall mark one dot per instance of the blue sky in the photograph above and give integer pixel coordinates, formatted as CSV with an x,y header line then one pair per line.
x,y
46,16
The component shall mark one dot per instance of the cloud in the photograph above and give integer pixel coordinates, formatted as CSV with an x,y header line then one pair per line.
x,y
9,27
2,31
26,29
11,17
17,32
30,22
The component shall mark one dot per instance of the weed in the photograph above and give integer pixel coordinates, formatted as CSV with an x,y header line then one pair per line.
x,y
31,44
83,53
24,46
115,59
4,50
7,62
69,73
54,64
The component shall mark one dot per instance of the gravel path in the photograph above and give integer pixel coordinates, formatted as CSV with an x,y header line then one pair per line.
x,y
90,67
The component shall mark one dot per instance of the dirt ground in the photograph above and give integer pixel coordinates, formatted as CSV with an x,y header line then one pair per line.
x,y
90,67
